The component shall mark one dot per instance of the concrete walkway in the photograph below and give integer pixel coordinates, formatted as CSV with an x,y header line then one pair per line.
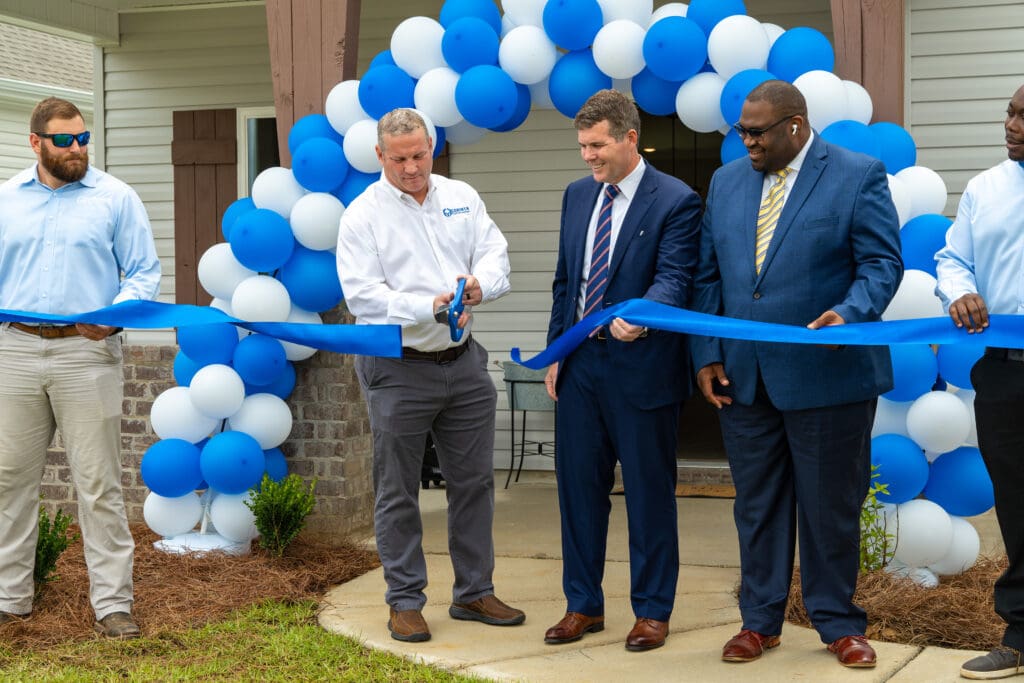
x,y
528,576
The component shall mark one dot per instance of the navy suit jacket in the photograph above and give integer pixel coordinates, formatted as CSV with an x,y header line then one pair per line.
x,y
654,258
836,246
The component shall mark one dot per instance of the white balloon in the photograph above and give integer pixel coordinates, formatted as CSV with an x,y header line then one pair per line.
x,y
697,103
890,417
429,123
924,532
773,31
342,106
525,12
315,221
464,133
264,417
915,298
619,49
967,396
826,98
293,351
637,11
938,421
963,550
435,95
221,305
172,516
927,190
277,189
216,391
922,576
233,518
672,9
900,198
506,25
540,95
416,45
173,416
859,102
527,55
737,43
261,298
220,272
360,146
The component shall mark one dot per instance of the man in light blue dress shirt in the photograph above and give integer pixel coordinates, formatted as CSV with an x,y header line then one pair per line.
x,y
979,272
72,239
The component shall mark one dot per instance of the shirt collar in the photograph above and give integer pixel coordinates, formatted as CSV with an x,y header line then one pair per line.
x,y
798,160
629,185
31,176
405,196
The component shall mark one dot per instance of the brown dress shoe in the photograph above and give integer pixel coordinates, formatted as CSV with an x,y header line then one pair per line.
x,y
119,626
572,627
489,610
647,634
747,645
854,652
408,625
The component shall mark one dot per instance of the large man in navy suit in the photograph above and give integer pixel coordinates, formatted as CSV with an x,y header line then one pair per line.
x,y
628,231
803,233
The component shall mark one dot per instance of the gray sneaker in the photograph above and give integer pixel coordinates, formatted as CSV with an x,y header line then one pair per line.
x,y
117,626
1001,662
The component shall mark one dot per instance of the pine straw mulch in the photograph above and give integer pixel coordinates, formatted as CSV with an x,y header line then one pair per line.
x,y
178,592
959,613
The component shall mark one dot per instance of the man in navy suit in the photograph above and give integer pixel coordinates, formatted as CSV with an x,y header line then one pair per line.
x,y
628,231
802,233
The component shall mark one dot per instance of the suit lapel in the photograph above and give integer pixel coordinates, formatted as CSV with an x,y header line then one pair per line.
x,y
576,226
638,208
753,184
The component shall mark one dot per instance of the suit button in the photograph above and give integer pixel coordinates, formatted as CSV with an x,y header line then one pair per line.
x,y
757,295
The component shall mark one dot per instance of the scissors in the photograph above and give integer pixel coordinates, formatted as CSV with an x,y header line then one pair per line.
x,y
455,311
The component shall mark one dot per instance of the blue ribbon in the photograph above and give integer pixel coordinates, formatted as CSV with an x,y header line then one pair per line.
x,y
1003,330
366,340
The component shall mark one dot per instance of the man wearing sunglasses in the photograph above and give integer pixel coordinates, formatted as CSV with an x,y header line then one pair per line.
x,y
72,239
802,233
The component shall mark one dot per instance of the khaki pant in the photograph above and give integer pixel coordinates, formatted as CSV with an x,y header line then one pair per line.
x,y
73,384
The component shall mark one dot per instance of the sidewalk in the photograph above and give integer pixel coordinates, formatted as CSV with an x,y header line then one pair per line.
x,y
528,576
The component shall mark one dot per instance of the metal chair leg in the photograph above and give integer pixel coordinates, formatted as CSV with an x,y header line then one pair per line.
x,y
511,448
522,449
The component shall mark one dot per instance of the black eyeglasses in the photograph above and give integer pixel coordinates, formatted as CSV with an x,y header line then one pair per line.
x,y
66,139
758,133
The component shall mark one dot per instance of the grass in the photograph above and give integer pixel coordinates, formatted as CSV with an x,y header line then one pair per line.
x,y
272,641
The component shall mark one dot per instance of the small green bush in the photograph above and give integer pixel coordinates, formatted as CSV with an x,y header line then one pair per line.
x,y
54,539
876,544
281,509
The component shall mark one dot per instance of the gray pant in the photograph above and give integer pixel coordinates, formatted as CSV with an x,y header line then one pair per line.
x,y
73,384
455,403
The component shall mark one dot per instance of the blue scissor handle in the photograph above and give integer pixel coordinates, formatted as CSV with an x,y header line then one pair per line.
x,y
455,311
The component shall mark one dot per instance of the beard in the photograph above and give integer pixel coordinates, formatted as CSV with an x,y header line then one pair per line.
x,y
69,167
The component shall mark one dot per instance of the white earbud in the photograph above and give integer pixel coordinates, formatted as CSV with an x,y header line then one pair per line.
x,y
794,129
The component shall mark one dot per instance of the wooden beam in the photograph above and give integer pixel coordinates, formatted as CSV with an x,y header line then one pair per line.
x,y
870,49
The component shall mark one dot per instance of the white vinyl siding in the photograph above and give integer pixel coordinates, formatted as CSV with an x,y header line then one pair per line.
x,y
15,153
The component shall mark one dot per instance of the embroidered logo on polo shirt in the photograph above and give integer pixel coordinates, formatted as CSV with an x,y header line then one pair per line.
x,y
448,213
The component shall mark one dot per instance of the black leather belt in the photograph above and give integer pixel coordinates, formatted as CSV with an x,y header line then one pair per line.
x,y
446,356
47,331
1005,354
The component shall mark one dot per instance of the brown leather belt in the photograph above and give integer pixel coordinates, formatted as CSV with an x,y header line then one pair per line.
x,y
446,356
47,331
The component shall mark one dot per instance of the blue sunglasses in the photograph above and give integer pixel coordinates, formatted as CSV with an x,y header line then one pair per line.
x,y
66,139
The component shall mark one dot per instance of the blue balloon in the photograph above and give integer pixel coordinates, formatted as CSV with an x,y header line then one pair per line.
x,y
355,183
707,13
572,24
522,110
675,49
960,483
208,343
920,238
732,147
798,51
956,361
232,462
453,10
259,359
184,369
486,96
902,465
281,387
262,240
854,136
736,90
311,278
439,143
170,468
380,59
319,164
653,94
235,210
469,42
384,88
277,466
914,370
311,126
574,79
898,148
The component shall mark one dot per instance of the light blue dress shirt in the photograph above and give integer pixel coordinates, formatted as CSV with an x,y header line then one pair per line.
x,y
64,251
984,252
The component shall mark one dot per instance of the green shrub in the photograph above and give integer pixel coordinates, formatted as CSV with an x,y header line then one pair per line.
x,y
876,544
281,509
54,539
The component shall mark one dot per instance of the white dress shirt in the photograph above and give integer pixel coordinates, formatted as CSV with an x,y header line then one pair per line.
x,y
794,166
395,255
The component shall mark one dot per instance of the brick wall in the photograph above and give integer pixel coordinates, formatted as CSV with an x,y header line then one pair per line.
x,y
330,440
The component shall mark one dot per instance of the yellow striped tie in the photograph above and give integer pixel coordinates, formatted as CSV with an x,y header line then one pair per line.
x,y
768,217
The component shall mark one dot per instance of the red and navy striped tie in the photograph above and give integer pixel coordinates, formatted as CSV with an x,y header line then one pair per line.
x,y
600,256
